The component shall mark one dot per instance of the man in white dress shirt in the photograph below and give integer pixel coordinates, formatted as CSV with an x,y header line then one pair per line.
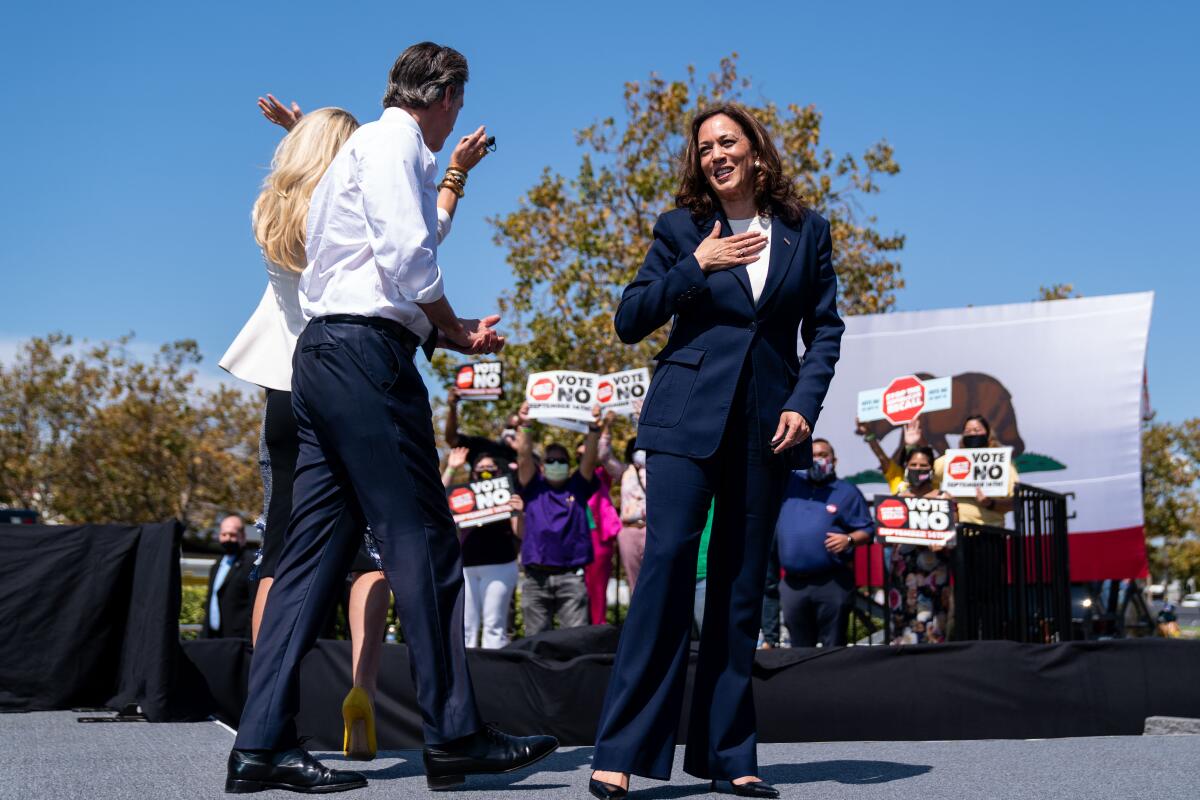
x,y
373,294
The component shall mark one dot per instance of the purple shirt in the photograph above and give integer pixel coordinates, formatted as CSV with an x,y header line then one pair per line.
x,y
556,522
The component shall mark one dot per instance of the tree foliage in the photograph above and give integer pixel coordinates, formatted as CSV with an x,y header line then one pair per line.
x,y
93,434
1171,500
1058,291
573,243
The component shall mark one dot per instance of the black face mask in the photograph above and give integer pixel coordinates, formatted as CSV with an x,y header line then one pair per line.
x,y
231,548
918,477
972,440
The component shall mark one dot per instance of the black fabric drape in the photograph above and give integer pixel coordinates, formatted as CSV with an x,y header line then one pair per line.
x,y
555,684
89,616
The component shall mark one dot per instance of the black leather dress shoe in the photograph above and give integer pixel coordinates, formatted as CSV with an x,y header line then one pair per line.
x,y
751,789
295,770
606,791
489,750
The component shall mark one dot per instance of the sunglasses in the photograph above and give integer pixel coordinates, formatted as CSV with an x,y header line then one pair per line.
x,y
556,461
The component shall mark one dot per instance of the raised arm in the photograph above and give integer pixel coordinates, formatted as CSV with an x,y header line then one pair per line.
x,y
467,153
451,432
591,447
872,442
612,465
821,331
458,457
526,469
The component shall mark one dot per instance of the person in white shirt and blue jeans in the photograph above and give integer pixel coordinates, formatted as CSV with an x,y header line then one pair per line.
x,y
373,295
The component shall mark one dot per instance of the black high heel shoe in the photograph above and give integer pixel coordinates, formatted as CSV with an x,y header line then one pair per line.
x,y
606,791
751,789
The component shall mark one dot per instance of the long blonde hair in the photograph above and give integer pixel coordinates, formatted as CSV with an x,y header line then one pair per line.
x,y
281,210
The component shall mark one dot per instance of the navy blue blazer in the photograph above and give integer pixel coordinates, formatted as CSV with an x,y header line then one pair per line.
x,y
717,326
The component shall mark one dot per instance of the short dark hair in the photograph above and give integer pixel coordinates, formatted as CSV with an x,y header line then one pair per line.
x,y
925,450
825,441
555,446
421,74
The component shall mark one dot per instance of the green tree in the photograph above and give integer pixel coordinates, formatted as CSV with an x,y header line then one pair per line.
x,y
574,243
1058,291
93,434
1171,503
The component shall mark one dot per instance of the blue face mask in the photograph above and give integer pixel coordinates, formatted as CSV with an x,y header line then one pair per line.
x,y
557,472
821,470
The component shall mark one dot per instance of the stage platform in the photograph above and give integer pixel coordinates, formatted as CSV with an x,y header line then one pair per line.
x,y
51,755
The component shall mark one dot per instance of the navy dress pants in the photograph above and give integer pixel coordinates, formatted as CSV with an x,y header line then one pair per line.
x,y
645,693
367,456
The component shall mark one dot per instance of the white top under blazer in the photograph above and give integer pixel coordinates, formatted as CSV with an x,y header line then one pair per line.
x,y
262,351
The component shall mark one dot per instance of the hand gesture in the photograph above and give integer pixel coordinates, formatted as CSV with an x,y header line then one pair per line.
x,y
470,150
979,495
523,414
715,253
452,395
793,429
277,113
457,458
913,434
860,427
516,503
474,337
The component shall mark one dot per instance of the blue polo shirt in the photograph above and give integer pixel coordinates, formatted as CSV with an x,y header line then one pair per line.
x,y
811,510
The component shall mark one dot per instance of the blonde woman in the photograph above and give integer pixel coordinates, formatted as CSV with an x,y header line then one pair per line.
x,y
262,354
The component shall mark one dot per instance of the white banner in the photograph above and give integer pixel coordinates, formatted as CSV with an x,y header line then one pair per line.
x,y
618,391
562,397
1060,382
987,468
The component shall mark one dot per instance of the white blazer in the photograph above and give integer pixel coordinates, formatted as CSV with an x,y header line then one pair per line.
x,y
262,351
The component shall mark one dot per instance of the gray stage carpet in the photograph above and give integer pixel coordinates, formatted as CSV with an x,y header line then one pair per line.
x,y
50,755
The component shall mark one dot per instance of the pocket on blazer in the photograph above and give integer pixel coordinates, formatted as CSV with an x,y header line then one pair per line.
x,y
673,382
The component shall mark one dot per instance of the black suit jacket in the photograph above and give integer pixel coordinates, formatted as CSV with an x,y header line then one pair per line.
x,y
235,598
717,326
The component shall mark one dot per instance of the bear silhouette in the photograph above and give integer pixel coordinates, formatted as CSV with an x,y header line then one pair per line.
x,y
972,393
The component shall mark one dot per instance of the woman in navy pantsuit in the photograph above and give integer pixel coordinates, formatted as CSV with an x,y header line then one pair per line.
x,y
742,270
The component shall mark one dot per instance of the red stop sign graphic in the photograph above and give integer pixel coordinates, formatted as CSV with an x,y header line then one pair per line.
x,y
466,377
903,400
462,500
604,392
542,389
959,467
892,513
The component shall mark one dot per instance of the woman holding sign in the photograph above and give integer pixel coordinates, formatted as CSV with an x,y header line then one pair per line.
x,y
740,270
919,594
980,509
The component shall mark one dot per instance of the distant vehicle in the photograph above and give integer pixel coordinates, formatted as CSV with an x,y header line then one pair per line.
x,y
18,516
1190,600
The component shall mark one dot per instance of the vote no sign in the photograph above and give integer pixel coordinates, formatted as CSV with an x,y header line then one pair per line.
x,y
565,399
987,468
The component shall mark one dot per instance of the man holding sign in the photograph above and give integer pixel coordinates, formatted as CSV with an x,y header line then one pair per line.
x,y
980,475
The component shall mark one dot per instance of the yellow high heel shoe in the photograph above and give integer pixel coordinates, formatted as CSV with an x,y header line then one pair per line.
x,y
359,740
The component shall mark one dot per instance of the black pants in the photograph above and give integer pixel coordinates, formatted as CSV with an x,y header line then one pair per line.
x,y
367,456
817,608
281,438
645,693
770,604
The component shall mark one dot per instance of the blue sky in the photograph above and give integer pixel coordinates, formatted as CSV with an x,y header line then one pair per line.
x,y
1039,142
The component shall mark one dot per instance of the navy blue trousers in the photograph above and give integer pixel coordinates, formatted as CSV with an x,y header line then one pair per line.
x,y
645,693
367,456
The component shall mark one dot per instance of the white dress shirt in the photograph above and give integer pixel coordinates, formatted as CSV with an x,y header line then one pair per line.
x,y
262,351
372,228
757,272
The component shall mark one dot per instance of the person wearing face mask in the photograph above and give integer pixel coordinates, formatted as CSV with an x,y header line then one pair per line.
x,y
822,521
920,599
504,449
489,558
230,591
557,544
980,509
